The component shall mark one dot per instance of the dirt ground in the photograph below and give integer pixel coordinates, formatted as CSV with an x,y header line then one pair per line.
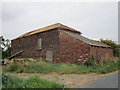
x,y
69,80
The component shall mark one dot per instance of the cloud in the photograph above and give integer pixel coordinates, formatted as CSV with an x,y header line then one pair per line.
x,y
12,11
0,18
94,20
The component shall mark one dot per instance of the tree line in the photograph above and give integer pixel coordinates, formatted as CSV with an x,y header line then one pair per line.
x,y
114,45
5,48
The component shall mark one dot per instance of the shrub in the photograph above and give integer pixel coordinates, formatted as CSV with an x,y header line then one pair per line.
x,y
108,67
10,82
5,47
114,46
90,62
6,53
13,67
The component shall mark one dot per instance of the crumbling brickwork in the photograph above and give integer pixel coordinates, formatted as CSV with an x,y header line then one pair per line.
x,y
73,50
50,41
101,53
60,45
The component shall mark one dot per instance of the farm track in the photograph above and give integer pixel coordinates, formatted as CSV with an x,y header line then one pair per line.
x,y
70,80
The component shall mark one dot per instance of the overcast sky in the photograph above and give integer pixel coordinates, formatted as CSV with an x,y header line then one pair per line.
x,y
94,19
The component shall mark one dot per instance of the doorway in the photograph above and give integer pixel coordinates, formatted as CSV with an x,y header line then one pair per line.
x,y
49,56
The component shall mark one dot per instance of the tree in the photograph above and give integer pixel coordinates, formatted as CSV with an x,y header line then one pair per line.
x,y
5,47
114,46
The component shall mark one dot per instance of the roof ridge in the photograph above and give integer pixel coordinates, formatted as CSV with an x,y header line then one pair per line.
x,y
46,28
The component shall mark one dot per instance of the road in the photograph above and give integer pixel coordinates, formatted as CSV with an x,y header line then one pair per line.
x,y
110,81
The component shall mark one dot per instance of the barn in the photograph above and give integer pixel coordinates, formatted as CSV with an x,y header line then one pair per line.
x,y
61,44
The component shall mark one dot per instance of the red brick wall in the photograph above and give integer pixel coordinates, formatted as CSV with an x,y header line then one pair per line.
x,y
101,53
66,49
50,41
72,50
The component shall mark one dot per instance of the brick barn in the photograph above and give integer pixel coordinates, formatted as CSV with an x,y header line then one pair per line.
x,y
61,44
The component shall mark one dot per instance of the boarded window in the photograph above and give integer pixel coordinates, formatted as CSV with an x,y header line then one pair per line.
x,y
49,55
39,43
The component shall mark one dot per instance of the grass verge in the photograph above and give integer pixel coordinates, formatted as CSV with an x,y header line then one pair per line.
x,y
33,82
45,67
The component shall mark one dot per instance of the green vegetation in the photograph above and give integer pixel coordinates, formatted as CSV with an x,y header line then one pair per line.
x,y
114,45
5,47
44,67
33,82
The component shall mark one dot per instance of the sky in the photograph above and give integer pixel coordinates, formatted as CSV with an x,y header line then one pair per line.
x,y
94,19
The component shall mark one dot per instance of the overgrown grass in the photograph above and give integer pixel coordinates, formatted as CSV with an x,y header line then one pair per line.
x,y
32,82
45,67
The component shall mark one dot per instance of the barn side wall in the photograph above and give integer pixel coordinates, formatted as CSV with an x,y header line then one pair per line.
x,y
72,50
50,42
101,53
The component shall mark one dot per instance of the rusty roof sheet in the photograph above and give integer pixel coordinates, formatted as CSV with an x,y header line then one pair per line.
x,y
102,43
86,40
47,28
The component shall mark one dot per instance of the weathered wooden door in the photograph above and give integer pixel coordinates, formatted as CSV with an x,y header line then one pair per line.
x,y
49,56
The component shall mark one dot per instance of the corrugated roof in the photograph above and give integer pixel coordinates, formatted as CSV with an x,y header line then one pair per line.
x,y
57,25
86,40
102,43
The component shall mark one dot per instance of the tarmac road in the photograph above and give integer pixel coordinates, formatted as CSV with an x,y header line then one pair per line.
x,y
110,81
